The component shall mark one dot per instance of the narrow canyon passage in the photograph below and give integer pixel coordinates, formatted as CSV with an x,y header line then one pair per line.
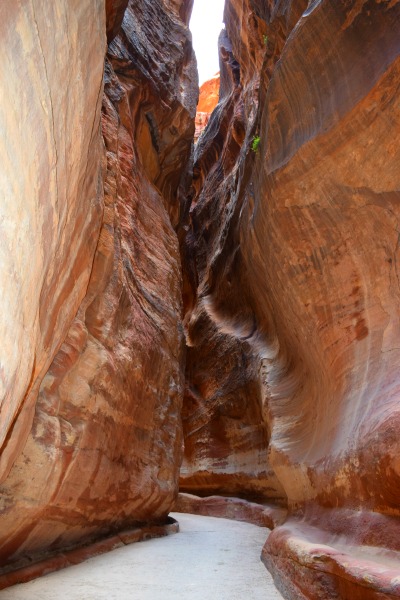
x,y
200,298
208,559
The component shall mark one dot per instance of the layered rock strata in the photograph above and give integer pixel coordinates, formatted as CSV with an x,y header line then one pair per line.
x,y
289,237
292,296
98,447
50,209
226,436
63,560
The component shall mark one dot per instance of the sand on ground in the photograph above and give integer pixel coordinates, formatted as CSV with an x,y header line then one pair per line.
x,y
210,559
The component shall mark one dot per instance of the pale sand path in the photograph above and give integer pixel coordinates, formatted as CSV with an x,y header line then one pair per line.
x,y
210,559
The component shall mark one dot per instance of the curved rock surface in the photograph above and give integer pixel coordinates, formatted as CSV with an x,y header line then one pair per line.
x,y
226,437
292,320
104,447
287,228
231,508
50,189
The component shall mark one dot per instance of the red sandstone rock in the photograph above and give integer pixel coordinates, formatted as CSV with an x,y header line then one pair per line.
x,y
350,556
209,95
226,438
290,281
50,189
291,290
115,10
231,508
201,123
208,100
104,449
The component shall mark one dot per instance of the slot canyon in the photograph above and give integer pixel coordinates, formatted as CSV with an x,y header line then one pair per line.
x,y
201,314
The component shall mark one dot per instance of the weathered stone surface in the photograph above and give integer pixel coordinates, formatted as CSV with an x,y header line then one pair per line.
x,y
226,437
50,191
231,508
341,556
164,70
104,449
290,283
208,100
179,8
201,123
115,10
293,316
209,95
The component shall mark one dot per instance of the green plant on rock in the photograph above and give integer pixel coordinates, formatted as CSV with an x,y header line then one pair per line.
x,y
265,38
255,143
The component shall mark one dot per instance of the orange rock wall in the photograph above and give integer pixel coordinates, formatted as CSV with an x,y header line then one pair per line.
x,y
51,192
226,435
115,11
209,95
208,100
287,293
99,447
292,318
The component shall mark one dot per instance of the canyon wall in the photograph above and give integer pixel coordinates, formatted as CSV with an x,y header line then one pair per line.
x,y
50,192
208,100
273,256
92,353
292,292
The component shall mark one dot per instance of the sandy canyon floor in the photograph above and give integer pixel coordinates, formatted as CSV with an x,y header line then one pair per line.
x,y
209,559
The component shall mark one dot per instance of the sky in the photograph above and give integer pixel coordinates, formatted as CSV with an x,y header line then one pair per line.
x,y
205,25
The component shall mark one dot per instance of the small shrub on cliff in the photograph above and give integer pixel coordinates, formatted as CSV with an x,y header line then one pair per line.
x,y
255,143
265,38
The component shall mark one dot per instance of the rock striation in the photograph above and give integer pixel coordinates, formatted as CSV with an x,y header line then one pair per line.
x,y
91,413
226,436
270,251
51,195
292,295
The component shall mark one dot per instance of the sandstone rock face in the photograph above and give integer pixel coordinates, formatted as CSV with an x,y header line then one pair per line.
x,y
201,123
50,189
208,100
226,437
115,10
209,95
104,449
289,238
164,71
292,297
231,508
